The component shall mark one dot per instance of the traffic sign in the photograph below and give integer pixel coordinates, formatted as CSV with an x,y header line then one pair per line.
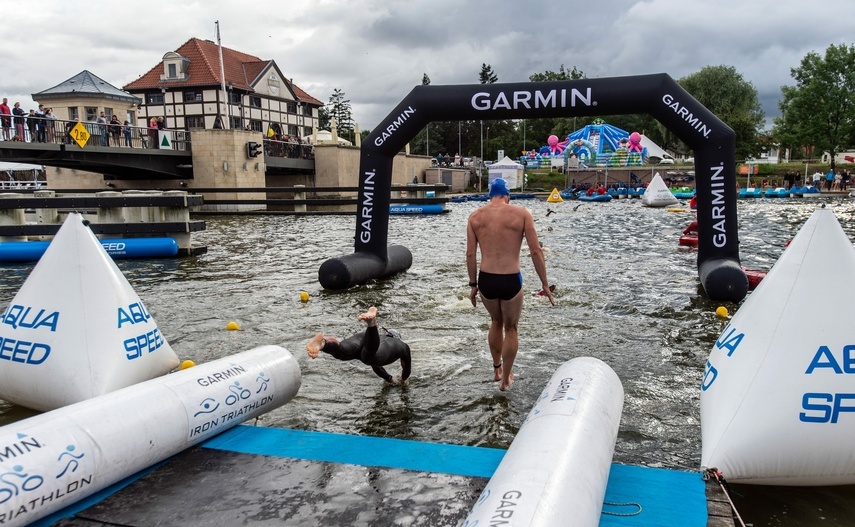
x,y
80,134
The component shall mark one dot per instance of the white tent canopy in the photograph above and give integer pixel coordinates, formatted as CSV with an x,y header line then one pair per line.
x,y
507,169
325,137
653,150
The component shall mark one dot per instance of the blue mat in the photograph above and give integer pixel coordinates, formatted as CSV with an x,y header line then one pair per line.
x,y
666,497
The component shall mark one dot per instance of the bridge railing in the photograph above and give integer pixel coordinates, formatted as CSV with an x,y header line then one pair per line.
x,y
289,149
59,131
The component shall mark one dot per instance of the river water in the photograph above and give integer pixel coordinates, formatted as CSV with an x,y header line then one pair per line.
x,y
626,294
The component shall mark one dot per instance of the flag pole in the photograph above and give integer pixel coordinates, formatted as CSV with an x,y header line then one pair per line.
x,y
226,124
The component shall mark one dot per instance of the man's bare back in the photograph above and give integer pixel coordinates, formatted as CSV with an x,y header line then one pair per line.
x,y
498,230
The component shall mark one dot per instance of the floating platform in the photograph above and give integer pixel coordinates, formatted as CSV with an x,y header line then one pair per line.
x,y
251,475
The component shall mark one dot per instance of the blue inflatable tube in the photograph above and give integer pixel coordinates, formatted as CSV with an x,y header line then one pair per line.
x,y
416,209
117,248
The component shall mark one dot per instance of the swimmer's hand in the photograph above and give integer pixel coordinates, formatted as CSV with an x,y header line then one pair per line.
x,y
473,295
548,294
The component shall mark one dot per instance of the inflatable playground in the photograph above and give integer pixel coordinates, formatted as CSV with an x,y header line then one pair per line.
x,y
595,145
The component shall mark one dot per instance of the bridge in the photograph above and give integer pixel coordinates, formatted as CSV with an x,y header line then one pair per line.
x,y
131,152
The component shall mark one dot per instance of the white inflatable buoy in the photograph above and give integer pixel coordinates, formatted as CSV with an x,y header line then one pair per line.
x,y
657,194
777,396
76,328
557,467
60,457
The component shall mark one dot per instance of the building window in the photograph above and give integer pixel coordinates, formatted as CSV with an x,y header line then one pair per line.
x,y
73,113
292,107
173,70
154,98
292,129
91,113
192,96
194,121
307,110
108,112
307,131
236,123
234,98
255,126
255,102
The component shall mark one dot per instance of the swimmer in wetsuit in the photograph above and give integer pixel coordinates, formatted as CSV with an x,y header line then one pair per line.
x,y
369,347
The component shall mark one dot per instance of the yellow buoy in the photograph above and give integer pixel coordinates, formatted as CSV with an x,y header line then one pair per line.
x,y
304,297
554,197
232,326
721,311
186,364
674,209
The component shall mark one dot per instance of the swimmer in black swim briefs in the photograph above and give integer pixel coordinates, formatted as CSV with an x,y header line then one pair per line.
x,y
369,347
501,286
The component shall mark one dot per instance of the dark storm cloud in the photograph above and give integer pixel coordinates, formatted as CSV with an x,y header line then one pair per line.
x,y
377,50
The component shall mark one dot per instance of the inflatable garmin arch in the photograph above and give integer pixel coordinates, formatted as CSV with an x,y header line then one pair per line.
x,y
658,95
778,392
76,328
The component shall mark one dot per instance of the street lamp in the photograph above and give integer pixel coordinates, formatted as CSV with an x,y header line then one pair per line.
x,y
163,95
488,140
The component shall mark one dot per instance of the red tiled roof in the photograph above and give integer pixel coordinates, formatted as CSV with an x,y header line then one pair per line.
x,y
204,69
303,96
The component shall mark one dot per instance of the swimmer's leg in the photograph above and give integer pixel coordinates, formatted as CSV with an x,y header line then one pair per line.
x,y
406,364
315,345
370,316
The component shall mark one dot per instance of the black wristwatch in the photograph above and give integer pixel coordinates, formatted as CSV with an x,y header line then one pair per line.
x,y
473,284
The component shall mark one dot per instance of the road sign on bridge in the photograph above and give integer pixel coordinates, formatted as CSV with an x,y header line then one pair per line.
x,y
79,134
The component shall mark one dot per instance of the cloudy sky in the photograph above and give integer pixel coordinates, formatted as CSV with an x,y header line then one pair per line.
x,y
375,51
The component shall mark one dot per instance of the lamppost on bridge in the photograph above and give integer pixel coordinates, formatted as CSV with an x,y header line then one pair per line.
x,y
163,96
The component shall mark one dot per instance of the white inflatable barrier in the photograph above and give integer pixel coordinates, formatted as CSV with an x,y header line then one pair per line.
x,y
657,194
777,396
558,464
57,458
76,328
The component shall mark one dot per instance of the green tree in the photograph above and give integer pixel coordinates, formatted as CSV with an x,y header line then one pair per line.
x,y
723,91
560,75
818,113
340,109
420,144
487,75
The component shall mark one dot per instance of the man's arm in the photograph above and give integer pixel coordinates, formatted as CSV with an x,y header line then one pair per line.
x,y
472,260
382,373
537,255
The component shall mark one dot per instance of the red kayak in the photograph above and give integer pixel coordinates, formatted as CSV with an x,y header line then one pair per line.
x,y
689,240
754,277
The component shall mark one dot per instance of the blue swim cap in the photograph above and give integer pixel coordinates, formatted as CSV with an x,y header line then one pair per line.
x,y
499,188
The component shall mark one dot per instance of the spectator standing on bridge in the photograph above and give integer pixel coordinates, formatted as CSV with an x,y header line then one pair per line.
x,y
6,119
31,125
101,121
50,125
829,180
152,132
126,129
116,130
40,124
19,114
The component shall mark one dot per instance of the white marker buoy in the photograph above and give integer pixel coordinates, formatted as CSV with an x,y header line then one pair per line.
x,y
558,465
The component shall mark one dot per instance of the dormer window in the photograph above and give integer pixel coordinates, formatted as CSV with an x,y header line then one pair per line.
x,y
174,67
